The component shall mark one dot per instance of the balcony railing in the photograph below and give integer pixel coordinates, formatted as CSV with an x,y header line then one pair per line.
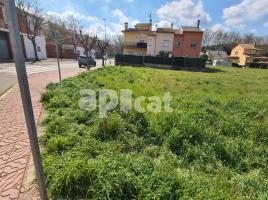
x,y
142,45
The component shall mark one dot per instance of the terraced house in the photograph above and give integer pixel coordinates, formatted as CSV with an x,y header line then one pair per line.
x,y
182,42
135,39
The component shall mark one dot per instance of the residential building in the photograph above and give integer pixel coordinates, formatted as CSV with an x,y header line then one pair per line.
x,y
243,54
216,55
160,40
28,49
187,41
67,50
135,39
183,42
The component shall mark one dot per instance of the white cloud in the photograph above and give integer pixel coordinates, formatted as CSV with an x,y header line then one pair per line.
x,y
183,12
95,25
73,13
217,27
238,15
122,18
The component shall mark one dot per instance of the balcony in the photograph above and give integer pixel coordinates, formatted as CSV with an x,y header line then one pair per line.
x,y
141,45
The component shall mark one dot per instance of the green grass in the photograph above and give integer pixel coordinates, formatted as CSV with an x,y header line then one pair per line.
x,y
212,146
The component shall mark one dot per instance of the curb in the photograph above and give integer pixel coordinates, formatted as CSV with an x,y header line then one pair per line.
x,y
8,91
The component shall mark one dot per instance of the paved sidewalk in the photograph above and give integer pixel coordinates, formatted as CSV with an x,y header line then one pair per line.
x,y
14,141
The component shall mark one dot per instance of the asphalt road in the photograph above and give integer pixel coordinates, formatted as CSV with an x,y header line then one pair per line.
x,y
7,80
8,76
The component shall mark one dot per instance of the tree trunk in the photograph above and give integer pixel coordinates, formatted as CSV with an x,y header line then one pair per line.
x,y
103,60
75,53
87,51
35,49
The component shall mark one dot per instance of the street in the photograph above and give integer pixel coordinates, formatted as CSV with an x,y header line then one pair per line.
x,y
8,75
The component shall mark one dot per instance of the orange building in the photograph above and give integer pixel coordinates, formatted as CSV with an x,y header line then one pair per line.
x,y
187,42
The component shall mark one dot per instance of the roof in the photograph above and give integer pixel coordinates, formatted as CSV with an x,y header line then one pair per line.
x,y
165,30
143,24
152,33
179,32
214,53
191,29
248,46
135,30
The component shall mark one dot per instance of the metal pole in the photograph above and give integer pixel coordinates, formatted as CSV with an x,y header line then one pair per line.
x,y
104,28
57,51
17,50
105,37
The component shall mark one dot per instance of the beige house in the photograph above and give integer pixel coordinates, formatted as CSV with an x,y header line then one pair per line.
x,y
160,40
135,39
243,54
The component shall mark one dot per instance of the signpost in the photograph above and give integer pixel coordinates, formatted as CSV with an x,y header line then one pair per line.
x,y
55,36
15,38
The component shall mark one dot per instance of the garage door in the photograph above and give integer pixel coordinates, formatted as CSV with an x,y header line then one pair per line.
x,y
4,46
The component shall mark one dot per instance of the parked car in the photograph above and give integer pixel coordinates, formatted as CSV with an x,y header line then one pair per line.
x,y
222,63
83,61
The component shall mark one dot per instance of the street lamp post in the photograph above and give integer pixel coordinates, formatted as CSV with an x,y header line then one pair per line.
x,y
104,28
105,35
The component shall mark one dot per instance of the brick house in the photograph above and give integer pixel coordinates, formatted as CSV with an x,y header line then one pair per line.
x,y
28,49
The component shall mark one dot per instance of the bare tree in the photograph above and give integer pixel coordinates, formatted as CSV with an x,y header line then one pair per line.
x,y
32,18
88,42
102,46
74,26
248,38
59,25
116,45
207,38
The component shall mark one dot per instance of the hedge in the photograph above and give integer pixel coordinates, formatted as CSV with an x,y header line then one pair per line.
x,y
176,62
258,65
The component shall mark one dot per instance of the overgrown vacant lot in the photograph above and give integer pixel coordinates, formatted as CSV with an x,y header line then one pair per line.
x,y
214,145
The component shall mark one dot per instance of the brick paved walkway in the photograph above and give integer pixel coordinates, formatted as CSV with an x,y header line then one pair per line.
x,y
14,141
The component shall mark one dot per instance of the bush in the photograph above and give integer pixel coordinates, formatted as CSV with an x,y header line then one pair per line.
x,y
257,65
177,62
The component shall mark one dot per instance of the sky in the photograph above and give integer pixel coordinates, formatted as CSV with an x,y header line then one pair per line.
x,y
243,16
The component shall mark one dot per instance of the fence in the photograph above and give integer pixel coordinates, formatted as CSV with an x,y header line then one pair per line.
x,y
175,62
258,65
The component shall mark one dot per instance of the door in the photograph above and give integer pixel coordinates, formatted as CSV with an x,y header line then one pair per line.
x,y
4,46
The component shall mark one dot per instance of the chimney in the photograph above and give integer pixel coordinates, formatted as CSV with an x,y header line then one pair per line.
x,y
198,23
126,26
172,25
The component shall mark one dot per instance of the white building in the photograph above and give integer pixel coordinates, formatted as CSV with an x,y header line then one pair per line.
x,y
160,40
40,46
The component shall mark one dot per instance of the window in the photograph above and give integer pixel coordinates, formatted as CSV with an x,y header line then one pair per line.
x,y
178,44
166,43
236,53
38,48
193,45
